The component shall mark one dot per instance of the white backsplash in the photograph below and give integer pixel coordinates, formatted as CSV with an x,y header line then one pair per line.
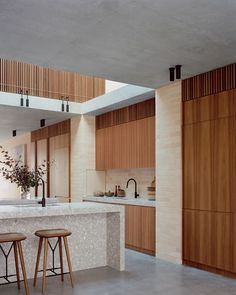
x,y
144,177
107,180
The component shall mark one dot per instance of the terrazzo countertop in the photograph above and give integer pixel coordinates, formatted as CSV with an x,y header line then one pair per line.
x,y
18,201
57,209
122,201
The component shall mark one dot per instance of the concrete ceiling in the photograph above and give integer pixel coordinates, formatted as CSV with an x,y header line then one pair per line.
x,y
131,41
24,120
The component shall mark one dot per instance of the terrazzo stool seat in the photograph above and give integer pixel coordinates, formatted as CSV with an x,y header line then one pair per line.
x,y
16,239
44,236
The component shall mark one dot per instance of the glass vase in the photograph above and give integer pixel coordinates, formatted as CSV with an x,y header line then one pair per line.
x,y
25,194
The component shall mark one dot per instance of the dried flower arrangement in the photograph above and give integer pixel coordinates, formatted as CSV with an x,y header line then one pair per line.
x,y
17,172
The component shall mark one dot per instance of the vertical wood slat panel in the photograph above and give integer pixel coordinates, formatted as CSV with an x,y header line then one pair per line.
x,y
131,113
212,82
209,161
45,82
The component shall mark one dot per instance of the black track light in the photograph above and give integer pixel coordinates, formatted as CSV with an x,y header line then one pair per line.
x,y
178,71
172,73
27,98
21,98
67,105
14,133
62,104
42,123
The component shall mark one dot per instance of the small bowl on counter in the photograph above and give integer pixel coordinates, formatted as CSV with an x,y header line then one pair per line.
x,y
109,194
98,194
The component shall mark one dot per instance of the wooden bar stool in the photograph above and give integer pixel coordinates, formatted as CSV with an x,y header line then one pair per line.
x,y
15,239
44,236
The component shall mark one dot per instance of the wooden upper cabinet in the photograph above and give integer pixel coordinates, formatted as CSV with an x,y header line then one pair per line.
x,y
128,145
146,142
100,149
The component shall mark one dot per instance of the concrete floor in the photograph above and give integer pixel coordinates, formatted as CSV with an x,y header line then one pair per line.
x,y
144,275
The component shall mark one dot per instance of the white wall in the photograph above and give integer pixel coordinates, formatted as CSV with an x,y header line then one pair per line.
x,y
82,154
169,172
7,189
113,85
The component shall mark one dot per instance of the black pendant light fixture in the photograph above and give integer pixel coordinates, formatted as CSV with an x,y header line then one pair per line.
x,y
67,104
42,123
27,98
14,133
21,98
62,104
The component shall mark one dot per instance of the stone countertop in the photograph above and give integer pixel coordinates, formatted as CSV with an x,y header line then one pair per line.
x,y
121,201
58,209
18,201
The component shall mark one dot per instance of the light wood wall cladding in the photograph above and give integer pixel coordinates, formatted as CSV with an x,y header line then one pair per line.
x,y
212,82
59,171
50,131
128,145
131,113
209,164
53,143
46,82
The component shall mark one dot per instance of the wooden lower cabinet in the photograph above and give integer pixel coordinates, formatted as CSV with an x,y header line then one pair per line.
x,y
140,228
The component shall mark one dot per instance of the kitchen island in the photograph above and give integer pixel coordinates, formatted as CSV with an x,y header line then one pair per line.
x,y
140,221
97,233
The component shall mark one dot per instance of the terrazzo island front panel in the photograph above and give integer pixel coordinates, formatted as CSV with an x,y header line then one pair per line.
x,y
97,234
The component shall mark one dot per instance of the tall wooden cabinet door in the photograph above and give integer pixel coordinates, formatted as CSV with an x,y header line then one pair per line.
x,y
223,151
203,166
233,242
190,243
100,149
146,142
133,226
189,177
207,238
148,228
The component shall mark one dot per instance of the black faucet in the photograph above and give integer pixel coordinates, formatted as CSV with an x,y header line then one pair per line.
x,y
43,202
135,187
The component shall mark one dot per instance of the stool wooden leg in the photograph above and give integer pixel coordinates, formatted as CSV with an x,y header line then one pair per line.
x,y
45,264
17,264
23,267
38,260
68,260
61,258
